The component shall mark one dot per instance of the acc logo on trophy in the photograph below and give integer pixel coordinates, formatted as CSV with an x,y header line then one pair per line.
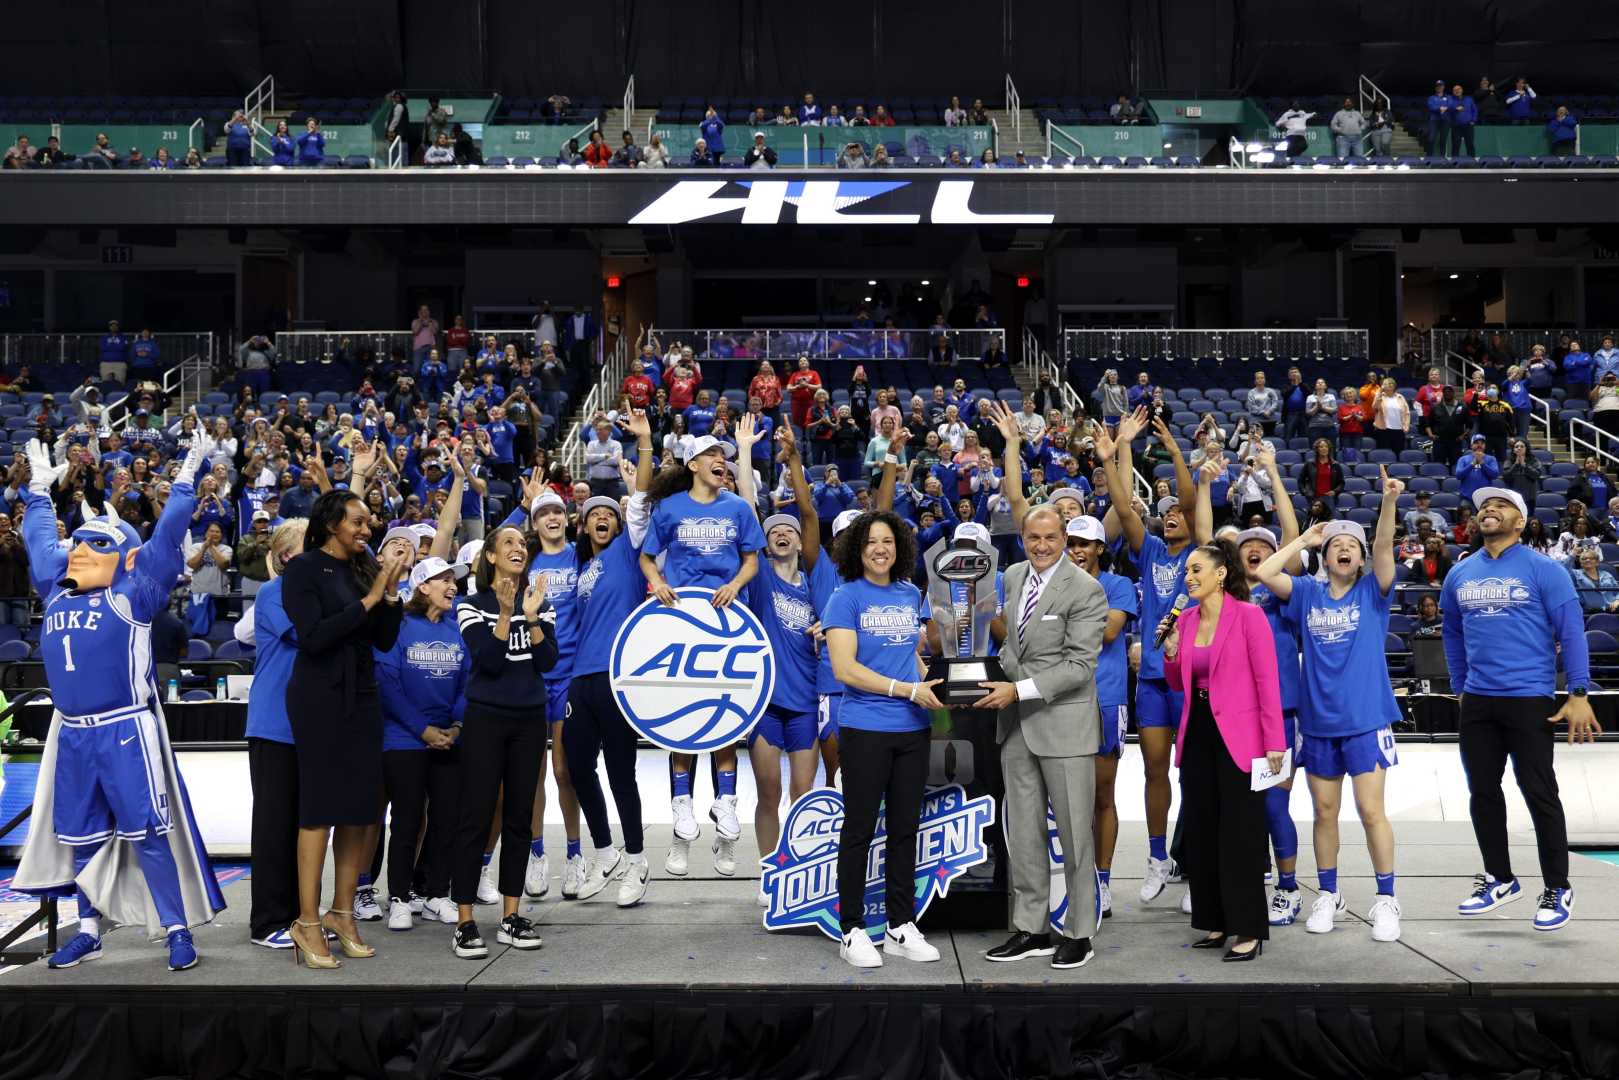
x,y
800,878
692,678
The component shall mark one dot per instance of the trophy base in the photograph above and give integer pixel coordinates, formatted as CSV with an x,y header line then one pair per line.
x,y
961,675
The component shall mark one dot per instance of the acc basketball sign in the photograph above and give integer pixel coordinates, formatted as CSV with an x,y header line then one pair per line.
x,y
800,878
692,678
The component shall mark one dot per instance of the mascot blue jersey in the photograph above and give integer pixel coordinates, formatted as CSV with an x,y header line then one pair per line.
x,y
97,644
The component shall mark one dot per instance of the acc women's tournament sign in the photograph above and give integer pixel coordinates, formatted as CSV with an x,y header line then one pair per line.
x,y
692,678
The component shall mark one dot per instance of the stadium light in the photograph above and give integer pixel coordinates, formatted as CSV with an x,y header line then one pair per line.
x,y
1453,277
1253,148
871,281
925,281
1264,157
865,300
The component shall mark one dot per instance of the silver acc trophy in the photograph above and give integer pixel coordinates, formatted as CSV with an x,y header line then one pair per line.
x,y
958,598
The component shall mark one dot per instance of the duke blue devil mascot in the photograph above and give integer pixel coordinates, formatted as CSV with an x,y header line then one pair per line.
x,y
111,817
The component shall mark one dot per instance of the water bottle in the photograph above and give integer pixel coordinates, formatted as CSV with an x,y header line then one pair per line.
x,y
174,691
219,689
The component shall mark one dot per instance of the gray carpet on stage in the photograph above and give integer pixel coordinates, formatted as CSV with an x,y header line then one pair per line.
x,y
704,931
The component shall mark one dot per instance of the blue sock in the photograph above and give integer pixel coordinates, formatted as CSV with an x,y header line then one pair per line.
x,y
1385,884
682,784
727,783
1287,880
487,856
536,846
1328,880
1156,847
573,848
1284,834
365,879
1105,875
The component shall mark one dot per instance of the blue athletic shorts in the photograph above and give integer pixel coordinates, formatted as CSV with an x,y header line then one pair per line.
x,y
111,779
827,715
1329,756
1115,718
1290,734
785,730
556,699
1157,705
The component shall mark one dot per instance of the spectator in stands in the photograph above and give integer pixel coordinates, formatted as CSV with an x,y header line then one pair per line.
x,y
766,386
834,118
1578,368
809,113
628,155
603,453
208,560
598,155
193,159
1515,392
1595,584
103,156
978,115
1391,417
1487,96
954,114
1477,468
1348,127
424,331
859,119
1592,486
656,155
145,357
882,117
759,156
1576,535
1605,359
987,159
136,160
1494,420
878,447
1562,132
1522,473
1125,111
1321,414
1520,101
283,150
1380,126
1111,400
20,155
255,360
1439,106
1605,405
571,154
253,552
802,387
1463,118
1295,395
941,354
51,155
466,151
435,123
1294,124
1321,476
1423,511
398,123
1434,564
854,157
238,141
1352,418
700,157
441,154
712,130
1263,405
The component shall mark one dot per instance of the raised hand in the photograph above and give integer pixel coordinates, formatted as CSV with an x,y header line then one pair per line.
x,y
788,442
1105,446
746,434
901,437
506,593
1212,468
457,469
1264,456
637,424
1314,536
1393,486
1132,425
533,598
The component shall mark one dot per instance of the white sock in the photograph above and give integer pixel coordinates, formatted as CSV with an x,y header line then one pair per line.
x,y
638,859
606,854
172,929
91,927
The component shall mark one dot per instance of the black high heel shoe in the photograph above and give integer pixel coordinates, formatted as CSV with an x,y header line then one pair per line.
x,y
1215,942
1234,957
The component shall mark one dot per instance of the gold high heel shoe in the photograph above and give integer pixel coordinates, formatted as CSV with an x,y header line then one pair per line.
x,y
352,948
314,961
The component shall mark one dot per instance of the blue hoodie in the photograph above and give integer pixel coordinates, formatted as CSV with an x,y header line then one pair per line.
x,y
1436,102
239,137
1562,131
422,680
1473,477
311,148
275,647
831,500
713,131
1519,104
114,349
1577,367
281,149
1463,111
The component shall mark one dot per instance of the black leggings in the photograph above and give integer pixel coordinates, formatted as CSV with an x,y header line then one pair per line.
x,y
879,766
273,770
1227,839
421,782
1494,729
498,747
594,726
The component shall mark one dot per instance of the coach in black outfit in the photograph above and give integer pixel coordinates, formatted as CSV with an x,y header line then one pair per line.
x,y
342,604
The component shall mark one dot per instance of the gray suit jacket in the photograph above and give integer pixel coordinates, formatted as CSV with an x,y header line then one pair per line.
x,y
1058,651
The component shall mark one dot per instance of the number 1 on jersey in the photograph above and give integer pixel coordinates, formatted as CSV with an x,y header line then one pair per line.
x,y
67,652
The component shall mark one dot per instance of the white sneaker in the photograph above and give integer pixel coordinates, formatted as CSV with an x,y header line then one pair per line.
x,y
573,876
723,814
399,914
601,871
1106,897
678,859
764,897
1385,919
1324,912
724,857
685,820
858,950
366,908
442,909
633,887
908,942
1186,902
1285,907
1157,877
488,891
537,879
1176,872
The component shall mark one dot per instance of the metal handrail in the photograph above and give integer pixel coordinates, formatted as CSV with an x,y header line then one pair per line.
x,y
1014,106
1052,130
1455,374
594,125
253,103
629,101
191,133
834,343
1371,92
1593,445
396,153
1126,344
1521,341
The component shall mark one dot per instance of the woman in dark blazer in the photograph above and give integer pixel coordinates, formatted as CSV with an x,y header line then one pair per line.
x,y
342,605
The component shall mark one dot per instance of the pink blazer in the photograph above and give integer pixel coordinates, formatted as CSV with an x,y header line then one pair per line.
x,y
1244,688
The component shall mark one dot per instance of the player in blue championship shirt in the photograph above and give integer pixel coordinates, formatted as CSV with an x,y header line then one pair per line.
x,y
788,595
1347,710
701,536
110,796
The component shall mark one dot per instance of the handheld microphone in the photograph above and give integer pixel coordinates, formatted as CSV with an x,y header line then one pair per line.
x,y
1174,613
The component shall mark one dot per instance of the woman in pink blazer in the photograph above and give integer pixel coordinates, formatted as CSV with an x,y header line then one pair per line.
x,y
1222,655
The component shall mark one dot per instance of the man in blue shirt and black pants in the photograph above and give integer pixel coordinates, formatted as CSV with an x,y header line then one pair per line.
x,y
1507,610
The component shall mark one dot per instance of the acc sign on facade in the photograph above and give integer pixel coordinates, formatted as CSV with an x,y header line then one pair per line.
x,y
818,202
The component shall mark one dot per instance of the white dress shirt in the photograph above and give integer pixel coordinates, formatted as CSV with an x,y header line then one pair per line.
x,y
1026,690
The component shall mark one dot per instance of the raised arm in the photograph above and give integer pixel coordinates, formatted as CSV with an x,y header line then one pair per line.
x,y
47,560
1011,459
449,515
809,524
1203,512
1383,564
1118,467
1183,475
1272,573
885,489
746,435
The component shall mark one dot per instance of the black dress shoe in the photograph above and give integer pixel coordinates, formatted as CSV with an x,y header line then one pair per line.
x,y
1232,956
1021,945
1073,953
1211,942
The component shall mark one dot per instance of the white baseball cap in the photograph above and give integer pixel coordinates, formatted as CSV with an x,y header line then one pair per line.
x,y
399,532
261,515
844,520
972,530
1166,502
1066,493
1087,528
1335,529
424,530
1258,533
600,500
704,443
468,555
544,499
431,567
783,519
1485,493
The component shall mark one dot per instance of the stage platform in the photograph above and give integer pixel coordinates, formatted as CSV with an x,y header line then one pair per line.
x,y
689,984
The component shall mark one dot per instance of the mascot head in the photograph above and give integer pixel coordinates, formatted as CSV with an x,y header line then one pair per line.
x,y
102,548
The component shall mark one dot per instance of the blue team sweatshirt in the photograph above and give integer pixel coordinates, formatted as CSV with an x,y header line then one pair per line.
x,y
422,680
311,148
1437,102
281,149
1504,620
114,349
713,133
239,137
1463,111
275,647
1562,131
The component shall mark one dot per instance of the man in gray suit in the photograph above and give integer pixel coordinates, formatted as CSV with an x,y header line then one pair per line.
x,y
1049,729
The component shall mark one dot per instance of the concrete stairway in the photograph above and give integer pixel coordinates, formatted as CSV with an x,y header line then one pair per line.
x,y
1008,142
614,124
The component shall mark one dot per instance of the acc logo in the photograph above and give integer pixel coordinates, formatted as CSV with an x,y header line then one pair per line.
x,y
962,564
692,678
818,202
800,878
1059,883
